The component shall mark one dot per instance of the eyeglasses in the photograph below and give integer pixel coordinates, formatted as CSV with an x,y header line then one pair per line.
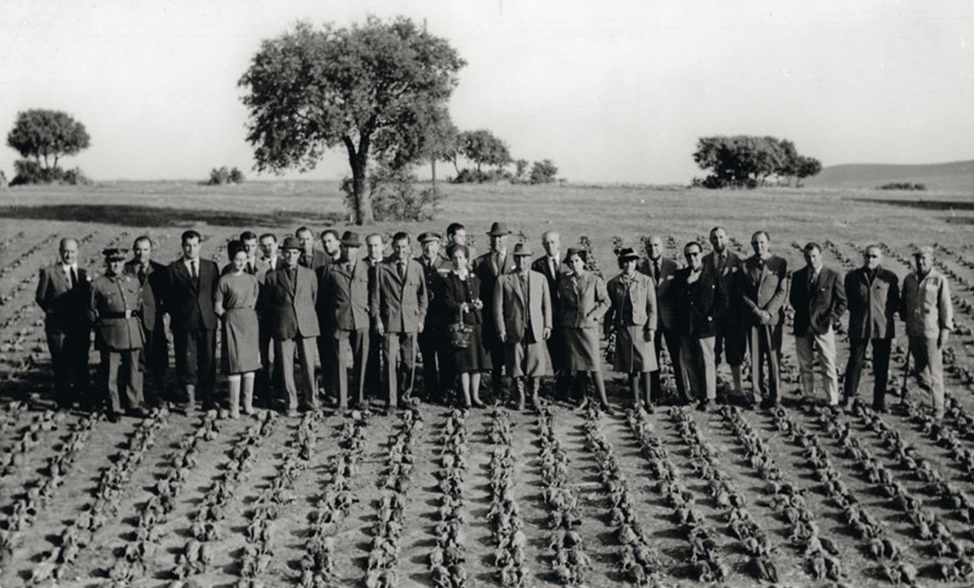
x,y
873,255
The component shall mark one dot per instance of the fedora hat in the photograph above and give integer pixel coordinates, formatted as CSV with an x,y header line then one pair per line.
x,y
521,250
498,230
627,254
350,239
291,243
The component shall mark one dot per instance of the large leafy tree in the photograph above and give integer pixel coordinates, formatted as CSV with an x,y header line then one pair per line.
x,y
744,161
45,136
366,87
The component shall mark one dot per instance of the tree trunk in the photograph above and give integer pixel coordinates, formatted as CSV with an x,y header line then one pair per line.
x,y
433,171
358,159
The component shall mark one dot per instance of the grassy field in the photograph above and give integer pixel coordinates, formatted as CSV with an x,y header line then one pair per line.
x,y
805,463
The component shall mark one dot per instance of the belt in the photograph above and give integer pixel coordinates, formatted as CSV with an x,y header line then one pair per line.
x,y
120,315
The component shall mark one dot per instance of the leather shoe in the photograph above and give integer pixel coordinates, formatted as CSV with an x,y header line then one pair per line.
x,y
112,416
703,405
769,404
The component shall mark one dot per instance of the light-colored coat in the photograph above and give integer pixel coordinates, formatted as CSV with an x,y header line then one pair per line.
x,y
583,303
633,304
666,305
510,312
871,307
926,305
112,297
64,307
763,289
400,304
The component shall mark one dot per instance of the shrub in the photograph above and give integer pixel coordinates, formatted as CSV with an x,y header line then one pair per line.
x,y
543,172
31,171
395,197
902,186
477,176
222,175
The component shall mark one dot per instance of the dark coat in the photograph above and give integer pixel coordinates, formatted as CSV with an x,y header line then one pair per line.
x,y
152,292
819,307
343,296
112,298
65,308
666,303
872,306
763,289
399,304
453,292
436,313
190,307
699,303
484,270
289,309
733,265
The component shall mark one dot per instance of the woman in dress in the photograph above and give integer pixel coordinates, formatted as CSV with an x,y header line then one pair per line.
x,y
583,301
632,317
235,301
461,298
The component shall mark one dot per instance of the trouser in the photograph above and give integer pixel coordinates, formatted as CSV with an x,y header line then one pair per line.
x,y
119,370
284,349
69,361
765,344
731,343
673,345
334,363
805,347
400,375
857,358
429,345
268,383
698,368
497,356
154,358
556,353
195,365
928,362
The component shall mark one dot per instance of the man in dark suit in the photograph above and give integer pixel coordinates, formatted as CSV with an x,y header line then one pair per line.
x,y
190,284
151,277
375,366
456,234
488,268
399,303
114,311
63,292
731,340
873,294
523,320
663,272
311,258
436,361
818,297
700,299
290,294
343,313
552,265
332,245
269,382
762,290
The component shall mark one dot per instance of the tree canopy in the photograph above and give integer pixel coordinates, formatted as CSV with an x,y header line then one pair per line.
x,y
367,87
45,136
744,161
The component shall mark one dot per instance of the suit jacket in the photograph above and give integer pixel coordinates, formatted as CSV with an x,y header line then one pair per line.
x,y
583,301
541,266
763,289
111,298
289,308
926,306
152,292
512,307
318,258
872,306
819,307
190,307
436,314
485,272
65,308
733,265
632,304
666,303
343,296
400,303
700,303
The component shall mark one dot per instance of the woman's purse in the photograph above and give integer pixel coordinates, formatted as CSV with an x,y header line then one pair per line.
x,y
459,333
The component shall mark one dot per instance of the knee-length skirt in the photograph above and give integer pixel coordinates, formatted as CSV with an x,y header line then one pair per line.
x,y
472,358
632,352
241,341
581,348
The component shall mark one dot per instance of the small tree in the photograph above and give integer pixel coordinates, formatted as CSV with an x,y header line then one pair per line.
x,y
484,148
807,167
43,137
520,168
543,172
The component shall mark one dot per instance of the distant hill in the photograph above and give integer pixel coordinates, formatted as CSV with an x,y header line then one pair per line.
x,y
954,176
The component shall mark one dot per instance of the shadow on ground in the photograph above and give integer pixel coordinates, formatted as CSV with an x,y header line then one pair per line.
x,y
149,216
955,205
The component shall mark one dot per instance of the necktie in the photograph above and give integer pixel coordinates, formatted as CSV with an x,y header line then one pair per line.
x,y
721,262
553,266
811,279
656,270
402,270
74,277
141,274
250,268
193,271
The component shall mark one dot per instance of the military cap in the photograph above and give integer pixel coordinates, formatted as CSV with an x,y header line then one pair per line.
x,y
114,254
429,236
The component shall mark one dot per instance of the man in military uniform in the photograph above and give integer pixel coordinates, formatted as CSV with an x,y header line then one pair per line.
x,y
114,311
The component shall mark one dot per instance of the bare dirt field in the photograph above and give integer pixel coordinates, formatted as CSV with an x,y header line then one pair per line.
x,y
431,496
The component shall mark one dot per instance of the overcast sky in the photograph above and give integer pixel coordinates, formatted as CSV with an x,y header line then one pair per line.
x,y
612,91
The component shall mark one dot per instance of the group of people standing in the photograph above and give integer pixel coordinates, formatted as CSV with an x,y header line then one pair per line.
x,y
279,305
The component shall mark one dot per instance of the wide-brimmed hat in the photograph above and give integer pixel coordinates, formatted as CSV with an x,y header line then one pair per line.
x,y
114,254
521,250
350,239
291,243
429,236
627,254
498,230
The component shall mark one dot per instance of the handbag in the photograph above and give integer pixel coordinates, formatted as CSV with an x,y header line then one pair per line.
x,y
459,333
